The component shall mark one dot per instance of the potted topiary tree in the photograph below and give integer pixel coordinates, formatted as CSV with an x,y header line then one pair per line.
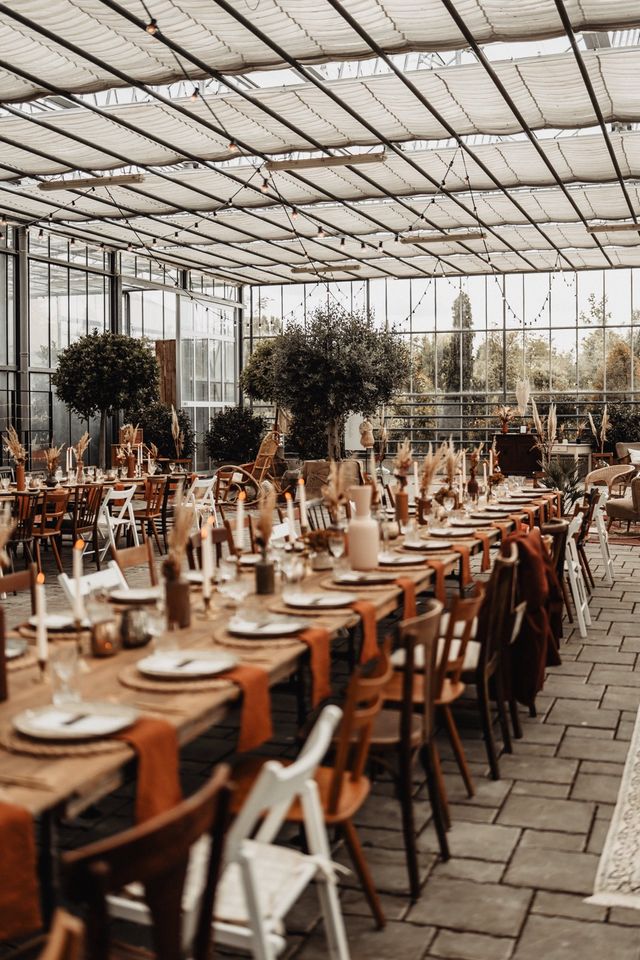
x,y
103,373
234,435
338,364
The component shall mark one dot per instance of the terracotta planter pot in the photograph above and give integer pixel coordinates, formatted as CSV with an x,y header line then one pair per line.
x,y
402,506
424,509
131,467
178,604
20,482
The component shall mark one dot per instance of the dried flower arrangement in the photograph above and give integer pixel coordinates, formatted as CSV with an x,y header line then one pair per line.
x,y
13,446
183,523
452,462
264,523
402,462
334,493
128,434
430,465
523,394
52,458
547,431
176,433
600,435
317,540
505,415
80,447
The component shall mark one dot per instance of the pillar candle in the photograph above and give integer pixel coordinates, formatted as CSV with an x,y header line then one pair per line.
x,y
484,470
302,498
78,603
415,475
291,520
42,648
464,468
372,465
491,462
240,521
207,570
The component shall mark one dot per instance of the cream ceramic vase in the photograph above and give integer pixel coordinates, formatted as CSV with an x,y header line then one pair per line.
x,y
364,536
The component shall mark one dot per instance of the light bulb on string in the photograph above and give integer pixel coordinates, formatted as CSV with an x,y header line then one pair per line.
x,y
194,96
321,233
265,186
343,242
233,146
362,245
152,27
294,214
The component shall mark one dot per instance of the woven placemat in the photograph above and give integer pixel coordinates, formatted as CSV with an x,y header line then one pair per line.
x,y
278,607
247,643
14,742
131,677
28,659
29,633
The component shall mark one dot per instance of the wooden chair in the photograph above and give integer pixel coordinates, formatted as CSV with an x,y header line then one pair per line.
x,y
168,502
558,530
591,499
83,522
48,526
343,787
219,537
151,513
66,938
154,856
137,557
18,582
400,735
25,509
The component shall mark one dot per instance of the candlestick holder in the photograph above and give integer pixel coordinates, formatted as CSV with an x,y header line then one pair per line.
x,y
43,671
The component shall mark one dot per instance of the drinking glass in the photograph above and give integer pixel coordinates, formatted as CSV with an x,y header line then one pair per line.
x,y
336,544
6,482
293,567
64,674
172,468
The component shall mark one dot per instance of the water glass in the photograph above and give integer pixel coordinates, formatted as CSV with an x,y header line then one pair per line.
x,y
336,544
163,640
64,673
6,482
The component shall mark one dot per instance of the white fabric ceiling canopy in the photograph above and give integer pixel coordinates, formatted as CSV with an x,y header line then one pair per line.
x,y
309,30
548,91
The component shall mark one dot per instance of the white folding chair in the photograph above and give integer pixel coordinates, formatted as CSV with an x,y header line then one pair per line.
x,y
262,879
600,523
116,517
200,497
576,579
110,578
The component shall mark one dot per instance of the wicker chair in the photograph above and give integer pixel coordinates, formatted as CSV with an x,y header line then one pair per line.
x,y
615,478
626,509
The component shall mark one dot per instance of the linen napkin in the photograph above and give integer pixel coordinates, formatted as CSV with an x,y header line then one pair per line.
x,y
19,896
465,562
408,587
367,613
486,546
438,567
256,725
318,641
156,745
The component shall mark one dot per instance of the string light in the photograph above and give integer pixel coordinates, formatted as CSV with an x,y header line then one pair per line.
x,y
152,27
343,242
294,213
232,145
265,186
321,233
194,96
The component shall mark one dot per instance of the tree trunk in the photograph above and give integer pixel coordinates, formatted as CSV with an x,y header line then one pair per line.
x,y
102,459
334,444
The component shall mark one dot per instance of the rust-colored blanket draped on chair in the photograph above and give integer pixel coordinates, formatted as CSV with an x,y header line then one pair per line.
x,y
536,646
19,897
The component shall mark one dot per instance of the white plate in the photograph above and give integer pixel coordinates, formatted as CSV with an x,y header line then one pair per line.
x,y
475,525
490,516
452,532
398,560
497,509
436,544
516,501
136,595
316,601
55,621
413,545
271,625
351,578
14,648
178,664
248,559
75,721
192,576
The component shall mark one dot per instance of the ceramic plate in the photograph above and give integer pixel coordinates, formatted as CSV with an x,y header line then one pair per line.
x,y
178,664
497,509
305,600
75,721
351,578
271,625
398,560
465,523
248,559
490,516
136,595
452,532
436,544
14,648
55,621
192,576
413,544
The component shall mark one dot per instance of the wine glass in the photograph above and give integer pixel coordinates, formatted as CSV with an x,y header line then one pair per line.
x,y
172,468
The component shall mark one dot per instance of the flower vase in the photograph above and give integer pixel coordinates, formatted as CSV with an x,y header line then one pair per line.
x,y
505,428
265,576
20,481
473,487
402,505
79,471
363,531
424,505
178,604
131,466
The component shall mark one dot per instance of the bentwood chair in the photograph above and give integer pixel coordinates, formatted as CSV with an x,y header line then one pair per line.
x,y
342,787
171,488
142,555
66,938
48,525
400,735
151,514
148,864
83,522
24,509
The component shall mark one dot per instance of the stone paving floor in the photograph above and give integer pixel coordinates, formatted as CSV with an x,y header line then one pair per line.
x,y
524,848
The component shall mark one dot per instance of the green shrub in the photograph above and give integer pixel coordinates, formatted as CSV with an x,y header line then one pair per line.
x,y
234,435
155,421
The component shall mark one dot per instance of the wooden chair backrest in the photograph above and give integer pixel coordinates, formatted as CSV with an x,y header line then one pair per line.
x,y
266,454
21,581
54,507
24,510
420,633
364,699
86,505
136,557
230,526
154,494
558,531
497,605
156,855
591,498
66,938
219,536
462,615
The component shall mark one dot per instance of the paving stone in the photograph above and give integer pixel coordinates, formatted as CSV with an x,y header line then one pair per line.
x,y
577,713
566,905
549,938
480,871
528,788
569,668
551,769
598,836
552,870
625,730
629,917
551,840
489,793
604,654
388,868
567,816
609,674
595,787
469,812
587,748
593,733
573,689
621,698
482,908
602,766
471,946
353,903
539,732
477,840
631,645
365,942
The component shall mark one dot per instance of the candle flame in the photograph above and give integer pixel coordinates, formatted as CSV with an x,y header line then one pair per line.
x,y
242,495
78,545
287,496
210,521
204,533
301,481
40,578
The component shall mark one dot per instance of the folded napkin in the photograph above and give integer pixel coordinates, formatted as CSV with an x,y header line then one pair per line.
x,y
531,516
504,528
408,587
19,896
438,567
156,745
517,522
486,546
256,725
319,643
465,562
367,613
